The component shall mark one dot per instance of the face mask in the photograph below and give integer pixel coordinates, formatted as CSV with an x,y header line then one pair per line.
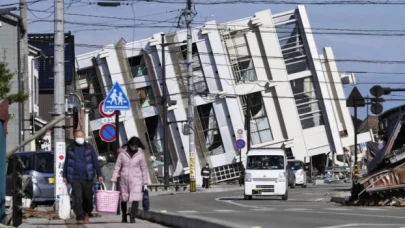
x,y
79,141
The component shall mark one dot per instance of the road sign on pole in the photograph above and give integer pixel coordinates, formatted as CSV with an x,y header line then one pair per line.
x,y
355,99
108,132
117,99
105,112
240,131
240,144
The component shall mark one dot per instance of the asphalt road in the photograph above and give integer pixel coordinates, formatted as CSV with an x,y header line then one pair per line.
x,y
306,208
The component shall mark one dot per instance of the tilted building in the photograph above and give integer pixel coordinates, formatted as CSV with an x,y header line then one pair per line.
x,y
271,60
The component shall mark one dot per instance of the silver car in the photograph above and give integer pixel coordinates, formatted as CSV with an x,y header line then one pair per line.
x,y
40,166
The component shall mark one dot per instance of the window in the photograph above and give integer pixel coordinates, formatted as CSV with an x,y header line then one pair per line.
x,y
45,163
295,165
292,47
138,66
27,161
239,56
213,139
200,85
307,102
259,123
145,95
265,162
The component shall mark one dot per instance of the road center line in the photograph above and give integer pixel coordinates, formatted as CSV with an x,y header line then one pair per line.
x,y
187,212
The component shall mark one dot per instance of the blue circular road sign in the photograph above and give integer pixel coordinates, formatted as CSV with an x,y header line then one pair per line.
x,y
240,143
107,133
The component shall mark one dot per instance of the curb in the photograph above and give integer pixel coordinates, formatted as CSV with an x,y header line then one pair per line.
x,y
180,221
341,200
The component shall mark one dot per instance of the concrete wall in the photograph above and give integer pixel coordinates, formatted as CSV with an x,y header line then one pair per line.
x,y
9,46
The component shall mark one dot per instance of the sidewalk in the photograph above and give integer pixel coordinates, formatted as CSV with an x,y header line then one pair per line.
x,y
106,220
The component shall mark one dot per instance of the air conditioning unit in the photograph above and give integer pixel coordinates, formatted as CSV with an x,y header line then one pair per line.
x,y
348,78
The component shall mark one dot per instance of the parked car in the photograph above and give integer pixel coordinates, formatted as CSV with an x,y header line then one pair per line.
x,y
40,166
297,167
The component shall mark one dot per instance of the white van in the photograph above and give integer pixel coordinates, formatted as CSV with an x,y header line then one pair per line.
x,y
266,173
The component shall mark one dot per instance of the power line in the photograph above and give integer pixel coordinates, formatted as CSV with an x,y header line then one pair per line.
x,y
328,31
282,2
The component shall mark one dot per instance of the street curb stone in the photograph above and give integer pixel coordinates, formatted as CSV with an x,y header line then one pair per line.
x,y
180,221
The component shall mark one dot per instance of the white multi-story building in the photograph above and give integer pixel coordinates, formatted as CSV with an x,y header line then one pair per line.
x,y
270,60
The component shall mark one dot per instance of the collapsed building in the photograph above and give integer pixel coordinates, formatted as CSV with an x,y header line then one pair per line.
x,y
271,60
386,170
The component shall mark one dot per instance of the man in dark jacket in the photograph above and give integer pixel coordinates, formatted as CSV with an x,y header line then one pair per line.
x,y
206,174
78,170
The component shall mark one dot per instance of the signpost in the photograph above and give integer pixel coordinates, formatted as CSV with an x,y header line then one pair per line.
x,y
116,101
108,132
105,112
355,100
240,144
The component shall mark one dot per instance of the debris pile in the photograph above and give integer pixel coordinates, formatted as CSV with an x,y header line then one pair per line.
x,y
384,184
32,213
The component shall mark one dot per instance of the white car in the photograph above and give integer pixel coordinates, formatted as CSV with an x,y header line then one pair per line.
x,y
266,173
297,167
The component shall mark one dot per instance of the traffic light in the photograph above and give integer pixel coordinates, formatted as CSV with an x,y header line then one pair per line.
x,y
376,106
377,91
18,193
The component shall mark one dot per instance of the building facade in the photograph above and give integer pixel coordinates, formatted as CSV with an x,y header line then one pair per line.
x,y
11,31
269,60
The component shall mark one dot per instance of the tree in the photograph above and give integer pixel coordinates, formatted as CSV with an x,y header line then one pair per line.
x,y
5,86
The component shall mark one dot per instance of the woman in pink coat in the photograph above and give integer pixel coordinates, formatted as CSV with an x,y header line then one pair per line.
x,y
131,166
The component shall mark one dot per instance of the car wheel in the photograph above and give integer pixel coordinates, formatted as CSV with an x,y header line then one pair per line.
x,y
247,197
285,197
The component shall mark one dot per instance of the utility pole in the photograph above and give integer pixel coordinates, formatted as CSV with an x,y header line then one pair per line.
x,y
24,107
59,94
165,124
190,82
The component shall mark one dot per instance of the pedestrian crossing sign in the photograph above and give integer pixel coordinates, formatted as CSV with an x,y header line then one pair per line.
x,y
116,99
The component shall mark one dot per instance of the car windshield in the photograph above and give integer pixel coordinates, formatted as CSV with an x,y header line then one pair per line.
x,y
45,163
294,165
260,162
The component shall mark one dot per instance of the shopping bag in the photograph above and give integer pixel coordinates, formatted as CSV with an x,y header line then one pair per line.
x,y
145,200
107,201
64,204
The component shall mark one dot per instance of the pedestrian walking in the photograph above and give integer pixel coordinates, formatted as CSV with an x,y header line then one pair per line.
x,y
206,174
79,170
133,176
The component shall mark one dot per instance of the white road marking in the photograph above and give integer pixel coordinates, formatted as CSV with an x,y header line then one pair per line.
x,y
354,214
234,203
372,209
263,209
185,212
336,209
297,209
224,210
362,225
